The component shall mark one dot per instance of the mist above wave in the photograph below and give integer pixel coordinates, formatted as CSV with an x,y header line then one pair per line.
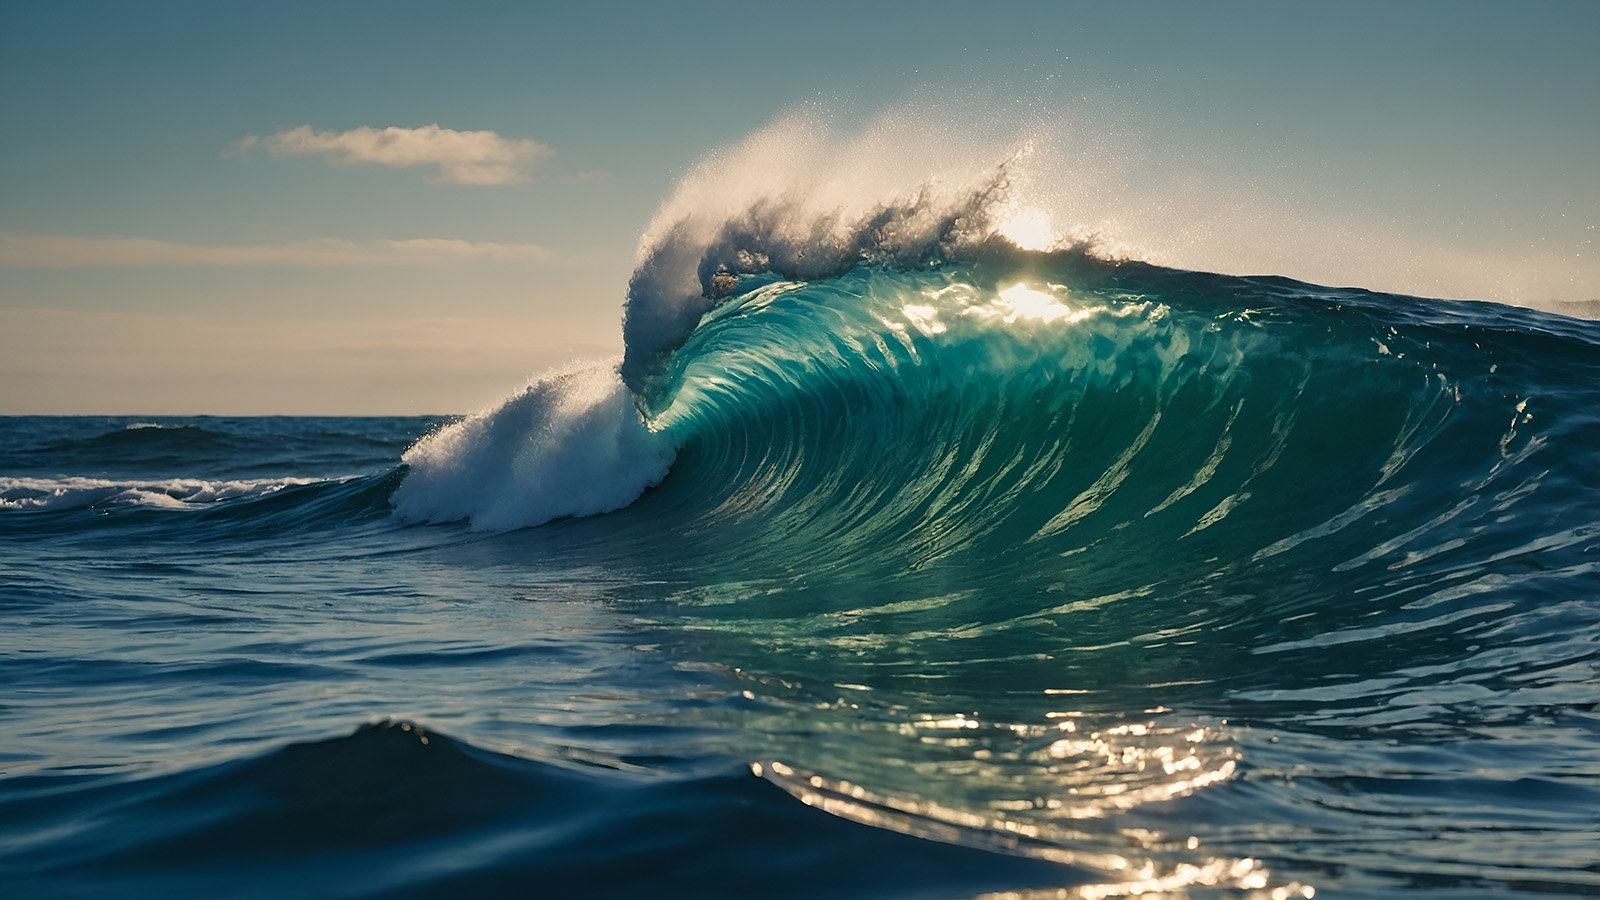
x,y
800,201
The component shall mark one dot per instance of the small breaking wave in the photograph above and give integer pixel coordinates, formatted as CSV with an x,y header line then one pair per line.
x,y
169,493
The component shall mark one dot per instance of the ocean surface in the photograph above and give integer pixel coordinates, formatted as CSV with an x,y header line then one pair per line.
x,y
901,562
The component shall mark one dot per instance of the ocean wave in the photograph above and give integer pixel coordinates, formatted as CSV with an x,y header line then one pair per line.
x,y
954,524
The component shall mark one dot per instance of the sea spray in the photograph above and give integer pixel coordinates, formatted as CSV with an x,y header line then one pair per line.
x,y
799,201
569,444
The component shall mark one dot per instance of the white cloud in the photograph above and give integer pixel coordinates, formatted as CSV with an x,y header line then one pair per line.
x,y
60,251
462,157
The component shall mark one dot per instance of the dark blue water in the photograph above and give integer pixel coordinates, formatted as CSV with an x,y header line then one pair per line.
x,y
1009,573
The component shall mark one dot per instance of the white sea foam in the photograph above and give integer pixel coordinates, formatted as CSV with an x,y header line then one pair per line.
x,y
571,443
172,493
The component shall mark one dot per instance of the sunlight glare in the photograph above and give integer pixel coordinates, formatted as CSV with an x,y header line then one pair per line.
x,y
1029,229
1027,303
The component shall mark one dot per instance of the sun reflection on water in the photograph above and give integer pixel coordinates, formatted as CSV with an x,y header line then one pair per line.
x,y
1059,791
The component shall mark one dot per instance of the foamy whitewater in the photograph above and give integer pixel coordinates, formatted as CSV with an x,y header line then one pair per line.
x,y
926,541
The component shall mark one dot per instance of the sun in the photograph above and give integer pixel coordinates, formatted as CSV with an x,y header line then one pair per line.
x,y
1029,229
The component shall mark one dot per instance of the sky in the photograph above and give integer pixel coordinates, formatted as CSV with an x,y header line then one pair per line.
x,y
411,208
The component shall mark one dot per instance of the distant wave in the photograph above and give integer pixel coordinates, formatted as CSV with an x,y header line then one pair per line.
x,y
171,493
213,509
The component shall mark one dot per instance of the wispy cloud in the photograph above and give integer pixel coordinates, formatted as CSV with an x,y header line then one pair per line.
x,y
60,251
462,157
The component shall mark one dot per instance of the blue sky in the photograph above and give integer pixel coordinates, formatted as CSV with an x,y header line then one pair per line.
x,y
1438,148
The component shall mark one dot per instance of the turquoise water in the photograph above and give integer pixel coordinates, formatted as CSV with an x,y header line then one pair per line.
x,y
985,571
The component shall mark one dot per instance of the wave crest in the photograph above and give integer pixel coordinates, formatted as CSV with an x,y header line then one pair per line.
x,y
798,201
